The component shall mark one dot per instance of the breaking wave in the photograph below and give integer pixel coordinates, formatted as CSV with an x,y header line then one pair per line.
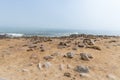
x,y
11,34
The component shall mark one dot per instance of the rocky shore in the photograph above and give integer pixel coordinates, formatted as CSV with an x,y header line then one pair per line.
x,y
74,57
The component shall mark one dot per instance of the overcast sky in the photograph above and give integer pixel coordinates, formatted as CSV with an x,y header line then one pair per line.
x,y
68,14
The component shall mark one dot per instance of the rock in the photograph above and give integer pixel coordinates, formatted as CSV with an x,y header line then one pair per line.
x,y
55,54
67,74
32,46
81,45
33,56
94,47
42,49
29,49
82,69
69,66
111,77
85,56
36,42
61,66
84,75
24,45
47,65
61,47
25,70
74,48
68,45
70,55
62,44
49,39
40,66
30,64
112,41
68,41
48,57
88,42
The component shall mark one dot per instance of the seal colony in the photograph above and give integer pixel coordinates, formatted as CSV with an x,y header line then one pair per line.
x,y
74,57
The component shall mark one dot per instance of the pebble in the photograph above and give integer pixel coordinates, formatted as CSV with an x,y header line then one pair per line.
x,y
47,64
85,56
74,48
67,74
61,66
111,77
84,75
69,66
82,69
40,66
70,55
25,70
48,57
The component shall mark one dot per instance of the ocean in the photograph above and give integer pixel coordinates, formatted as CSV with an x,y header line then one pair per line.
x,y
56,32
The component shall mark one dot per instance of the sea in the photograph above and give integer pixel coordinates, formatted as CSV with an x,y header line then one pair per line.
x,y
56,32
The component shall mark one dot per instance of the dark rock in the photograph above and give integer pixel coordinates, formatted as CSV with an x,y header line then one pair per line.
x,y
70,55
49,39
85,56
82,69
42,50
29,49
62,44
67,74
11,47
112,41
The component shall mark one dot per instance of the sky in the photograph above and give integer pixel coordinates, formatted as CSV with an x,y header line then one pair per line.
x,y
60,14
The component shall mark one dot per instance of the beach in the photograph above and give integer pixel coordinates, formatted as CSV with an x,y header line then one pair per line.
x,y
74,57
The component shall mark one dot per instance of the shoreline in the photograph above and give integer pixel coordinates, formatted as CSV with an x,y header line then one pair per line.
x,y
71,35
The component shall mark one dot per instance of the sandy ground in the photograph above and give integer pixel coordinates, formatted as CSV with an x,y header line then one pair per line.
x,y
16,63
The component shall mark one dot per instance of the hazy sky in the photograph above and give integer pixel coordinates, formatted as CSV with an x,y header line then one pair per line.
x,y
71,14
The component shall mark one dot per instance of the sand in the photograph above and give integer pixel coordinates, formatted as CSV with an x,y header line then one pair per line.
x,y
18,61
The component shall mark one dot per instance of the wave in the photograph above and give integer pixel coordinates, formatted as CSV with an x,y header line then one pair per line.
x,y
43,34
11,34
